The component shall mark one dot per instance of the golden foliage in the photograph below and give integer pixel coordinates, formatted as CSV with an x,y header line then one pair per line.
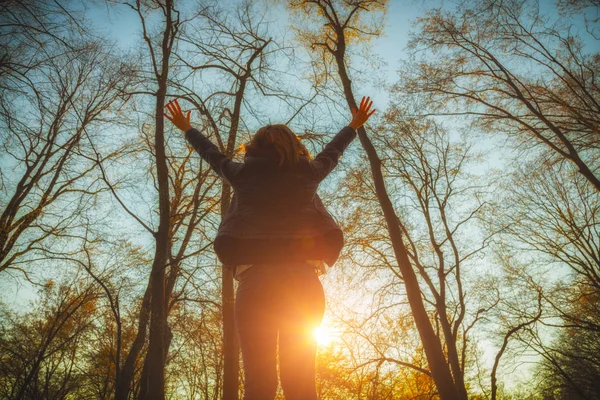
x,y
319,23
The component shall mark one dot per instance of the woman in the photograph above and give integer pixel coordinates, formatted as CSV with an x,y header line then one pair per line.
x,y
275,237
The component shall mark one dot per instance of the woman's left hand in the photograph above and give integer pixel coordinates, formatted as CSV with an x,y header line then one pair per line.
x,y
177,118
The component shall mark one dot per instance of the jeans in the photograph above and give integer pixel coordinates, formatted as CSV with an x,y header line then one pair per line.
x,y
287,300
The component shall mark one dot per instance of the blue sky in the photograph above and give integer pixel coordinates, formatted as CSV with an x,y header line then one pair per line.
x,y
122,25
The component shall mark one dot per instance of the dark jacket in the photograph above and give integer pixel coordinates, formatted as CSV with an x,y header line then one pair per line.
x,y
275,213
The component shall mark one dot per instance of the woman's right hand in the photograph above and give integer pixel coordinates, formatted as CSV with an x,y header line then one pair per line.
x,y
360,116
177,117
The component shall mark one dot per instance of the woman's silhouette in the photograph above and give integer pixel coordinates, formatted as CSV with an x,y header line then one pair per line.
x,y
276,237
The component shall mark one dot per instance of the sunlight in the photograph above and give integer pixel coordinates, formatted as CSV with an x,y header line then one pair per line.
x,y
323,336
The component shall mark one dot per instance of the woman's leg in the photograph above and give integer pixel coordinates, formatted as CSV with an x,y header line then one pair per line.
x,y
256,322
304,302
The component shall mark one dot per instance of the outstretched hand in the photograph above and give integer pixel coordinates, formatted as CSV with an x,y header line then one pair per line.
x,y
177,118
360,116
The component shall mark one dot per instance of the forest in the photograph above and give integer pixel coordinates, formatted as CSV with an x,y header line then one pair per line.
x,y
470,202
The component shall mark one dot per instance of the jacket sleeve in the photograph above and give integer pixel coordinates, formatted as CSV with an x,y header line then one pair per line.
x,y
328,159
219,162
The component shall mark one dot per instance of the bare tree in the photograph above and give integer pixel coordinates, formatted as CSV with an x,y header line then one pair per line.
x,y
554,214
211,40
196,365
440,202
514,71
570,365
30,31
159,54
50,106
40,350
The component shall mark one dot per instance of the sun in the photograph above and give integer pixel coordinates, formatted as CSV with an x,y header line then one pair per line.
x,y
323,336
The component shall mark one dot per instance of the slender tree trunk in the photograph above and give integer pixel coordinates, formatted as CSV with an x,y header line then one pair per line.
x,y
230,341
231,352
155,359
158,320
143,393
125,378
452,354
431,342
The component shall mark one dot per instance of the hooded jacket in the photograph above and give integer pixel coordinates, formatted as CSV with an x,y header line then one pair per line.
x,y
275,214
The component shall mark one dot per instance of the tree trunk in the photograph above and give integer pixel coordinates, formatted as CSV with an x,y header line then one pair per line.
x,y
125,379
230,341
231,353
158,320
438,365
155,359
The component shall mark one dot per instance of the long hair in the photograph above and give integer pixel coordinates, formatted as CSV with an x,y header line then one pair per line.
x,y
279,142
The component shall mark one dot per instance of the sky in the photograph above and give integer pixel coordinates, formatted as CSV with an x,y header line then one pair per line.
x,y
122,25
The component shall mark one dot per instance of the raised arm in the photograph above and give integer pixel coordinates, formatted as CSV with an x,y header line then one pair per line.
x,y
219,162
328,159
